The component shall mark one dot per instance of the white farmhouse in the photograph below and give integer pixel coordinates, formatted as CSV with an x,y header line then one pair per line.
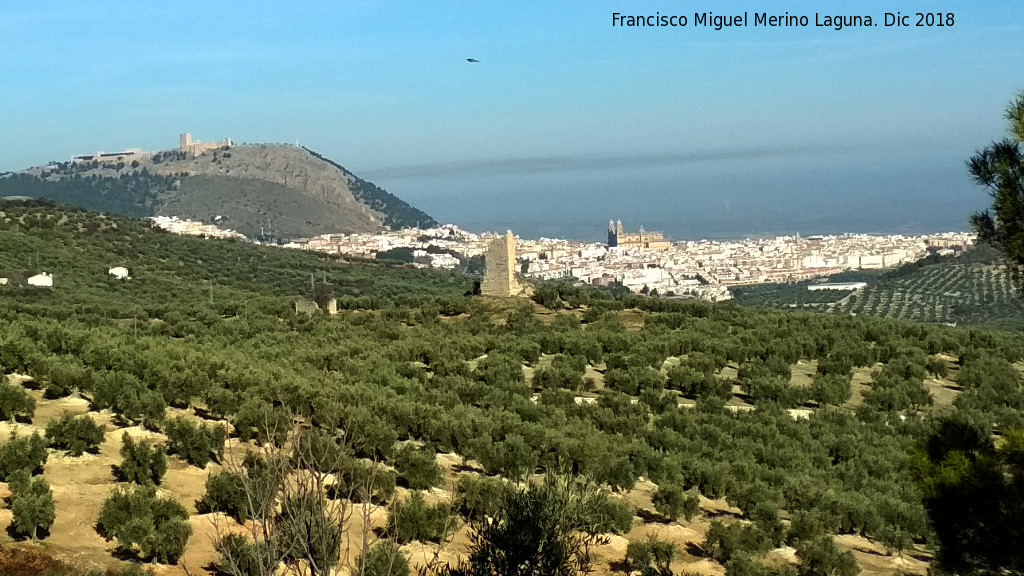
x,y
119,272
42,279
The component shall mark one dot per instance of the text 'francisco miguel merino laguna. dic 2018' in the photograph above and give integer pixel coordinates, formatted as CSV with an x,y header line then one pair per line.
x,y
764,19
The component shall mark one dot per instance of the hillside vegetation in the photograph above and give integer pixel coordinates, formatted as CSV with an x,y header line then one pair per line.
x,y
283,191
740,441
974,290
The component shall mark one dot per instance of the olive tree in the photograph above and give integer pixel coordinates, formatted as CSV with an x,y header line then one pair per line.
x,y
298,496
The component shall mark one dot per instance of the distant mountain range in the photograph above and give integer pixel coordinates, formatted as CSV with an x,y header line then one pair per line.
x,y
273,191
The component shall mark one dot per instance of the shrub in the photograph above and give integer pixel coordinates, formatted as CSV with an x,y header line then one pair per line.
x,y
671,501
307,532
821,556
383,558
240,555
64,378
225,492
257,420
643,555
141,462
936,367
772,389
15,403
610,515
75,434
128,398
511,457
806,525
691,382
418,468
765,516
32,505
746,564
835,365
541,529
831,389
414,519
22,453
138,519
503,371
195,442
319,452
722,541
361,481
245,493
477,497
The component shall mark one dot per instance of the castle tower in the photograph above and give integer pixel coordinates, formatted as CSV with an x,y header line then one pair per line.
x,y
499,273
185,142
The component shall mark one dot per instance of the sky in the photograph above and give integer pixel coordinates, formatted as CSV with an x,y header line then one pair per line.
x,y
565,122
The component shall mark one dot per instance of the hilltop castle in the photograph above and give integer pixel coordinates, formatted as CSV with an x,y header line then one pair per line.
x,y
189,146
642,239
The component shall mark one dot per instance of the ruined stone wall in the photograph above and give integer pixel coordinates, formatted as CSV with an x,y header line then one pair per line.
x,y
499,274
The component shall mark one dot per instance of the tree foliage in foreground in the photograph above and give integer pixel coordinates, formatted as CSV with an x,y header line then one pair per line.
x,y
999,167
383,558
540,530
974,493
294,501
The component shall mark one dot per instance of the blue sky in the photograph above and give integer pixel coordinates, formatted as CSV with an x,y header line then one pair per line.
x,y
563,108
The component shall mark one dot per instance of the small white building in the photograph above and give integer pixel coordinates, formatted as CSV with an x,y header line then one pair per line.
x,y
3,281
119,272
41,279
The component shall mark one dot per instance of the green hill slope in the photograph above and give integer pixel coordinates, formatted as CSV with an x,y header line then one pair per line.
x,y
974,290
971,290
78,248
780,428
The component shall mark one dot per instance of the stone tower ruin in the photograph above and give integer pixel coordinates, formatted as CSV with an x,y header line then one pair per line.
x,y
499,273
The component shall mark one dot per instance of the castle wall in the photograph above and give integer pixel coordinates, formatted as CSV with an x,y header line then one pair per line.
x,y
499,274
188,145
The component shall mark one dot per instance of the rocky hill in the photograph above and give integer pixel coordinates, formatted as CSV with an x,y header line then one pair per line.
x,y
274,190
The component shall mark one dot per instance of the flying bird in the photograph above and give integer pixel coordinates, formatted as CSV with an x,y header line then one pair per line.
x,y
473,60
